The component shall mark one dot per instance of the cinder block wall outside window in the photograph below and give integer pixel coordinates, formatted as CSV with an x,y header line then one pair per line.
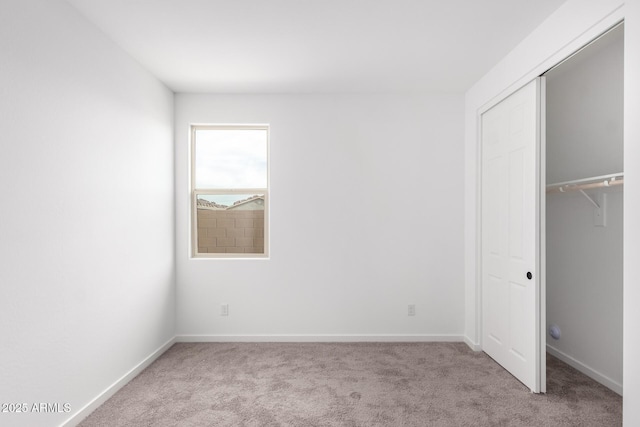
x,y
230,231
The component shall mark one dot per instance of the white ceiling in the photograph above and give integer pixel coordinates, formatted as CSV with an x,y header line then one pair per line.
x,y
292,46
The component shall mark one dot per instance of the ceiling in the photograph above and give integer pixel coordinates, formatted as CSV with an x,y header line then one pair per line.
x,y
317,46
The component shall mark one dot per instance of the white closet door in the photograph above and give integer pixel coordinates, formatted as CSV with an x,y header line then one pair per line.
x,y
511,234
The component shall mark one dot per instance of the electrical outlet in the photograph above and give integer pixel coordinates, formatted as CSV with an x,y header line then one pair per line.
x,y
224,310
411,310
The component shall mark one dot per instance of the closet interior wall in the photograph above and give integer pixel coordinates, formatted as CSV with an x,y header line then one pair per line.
x,y
584,138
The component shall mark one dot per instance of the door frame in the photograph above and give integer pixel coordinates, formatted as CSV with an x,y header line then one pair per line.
x,y
569,49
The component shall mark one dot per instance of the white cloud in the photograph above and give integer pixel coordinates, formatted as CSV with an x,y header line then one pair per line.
x,y
231,159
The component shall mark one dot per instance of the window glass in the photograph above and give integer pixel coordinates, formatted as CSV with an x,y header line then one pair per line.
x,y
231,223
231,158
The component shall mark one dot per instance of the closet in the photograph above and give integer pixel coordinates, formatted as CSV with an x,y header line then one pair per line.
x,y
584,197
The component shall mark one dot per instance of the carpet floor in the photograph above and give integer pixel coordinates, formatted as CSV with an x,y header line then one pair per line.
x,y
349,384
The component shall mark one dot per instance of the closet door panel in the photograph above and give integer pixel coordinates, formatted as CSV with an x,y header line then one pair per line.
x,y
510,235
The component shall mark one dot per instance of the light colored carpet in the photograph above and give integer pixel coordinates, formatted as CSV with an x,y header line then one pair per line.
x,y
349,384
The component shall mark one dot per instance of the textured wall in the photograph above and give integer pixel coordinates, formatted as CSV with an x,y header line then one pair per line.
x,y
365,218
87,133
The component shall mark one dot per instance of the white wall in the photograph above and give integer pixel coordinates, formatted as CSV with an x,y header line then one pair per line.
x,y
572,25
585,101
86,211
631,213
584,285
585,109
366,218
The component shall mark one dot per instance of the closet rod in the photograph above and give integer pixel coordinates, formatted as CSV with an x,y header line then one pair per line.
x,y
603,181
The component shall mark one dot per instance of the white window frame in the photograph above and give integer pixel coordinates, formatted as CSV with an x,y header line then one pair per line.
x,y
195,192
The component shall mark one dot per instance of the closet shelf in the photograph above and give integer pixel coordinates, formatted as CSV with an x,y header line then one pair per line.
x,y
602,181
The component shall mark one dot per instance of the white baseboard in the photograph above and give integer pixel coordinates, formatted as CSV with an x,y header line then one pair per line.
x,y
319,338
474,346
588,371
113,388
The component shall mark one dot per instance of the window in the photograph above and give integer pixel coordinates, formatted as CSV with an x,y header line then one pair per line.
x,y
229,180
